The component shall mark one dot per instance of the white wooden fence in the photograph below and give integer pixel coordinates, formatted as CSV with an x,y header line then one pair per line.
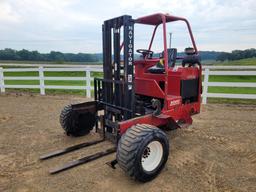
x,y
207,84
210,70
42,78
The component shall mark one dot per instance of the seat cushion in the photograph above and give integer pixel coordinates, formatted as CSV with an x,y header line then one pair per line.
x,y
157,70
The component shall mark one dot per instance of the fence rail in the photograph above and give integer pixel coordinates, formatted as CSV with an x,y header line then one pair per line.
x,y
208,70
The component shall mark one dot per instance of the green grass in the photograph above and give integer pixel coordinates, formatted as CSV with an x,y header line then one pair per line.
x,y
216,78
21,74
208,61
249,61
51,91
234,90
21,82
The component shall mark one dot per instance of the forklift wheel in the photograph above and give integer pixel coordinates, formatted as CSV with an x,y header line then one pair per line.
x,y
76,124
143,151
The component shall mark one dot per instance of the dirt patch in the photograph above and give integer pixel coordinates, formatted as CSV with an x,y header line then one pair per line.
x,y
216,153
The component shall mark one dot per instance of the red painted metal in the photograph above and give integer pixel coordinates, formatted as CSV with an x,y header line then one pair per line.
x,y
152,38
147,83
148,87
156,19
165,57
176,113
159,18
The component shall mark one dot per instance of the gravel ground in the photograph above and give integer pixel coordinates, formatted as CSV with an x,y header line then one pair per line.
x,y
216,153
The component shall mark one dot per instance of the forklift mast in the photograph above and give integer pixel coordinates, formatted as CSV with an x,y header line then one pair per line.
x,y
115,92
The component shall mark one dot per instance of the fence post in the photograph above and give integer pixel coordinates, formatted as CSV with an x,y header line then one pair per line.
x,y
2,87
41,79
206,80
88,83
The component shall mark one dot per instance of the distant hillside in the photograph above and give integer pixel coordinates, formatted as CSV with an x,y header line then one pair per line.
x,y
209,55
237,54
206,55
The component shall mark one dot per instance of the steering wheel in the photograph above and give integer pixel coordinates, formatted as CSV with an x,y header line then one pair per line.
x,y
145,53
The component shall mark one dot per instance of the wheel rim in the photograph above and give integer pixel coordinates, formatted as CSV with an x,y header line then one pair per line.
x,y
152,156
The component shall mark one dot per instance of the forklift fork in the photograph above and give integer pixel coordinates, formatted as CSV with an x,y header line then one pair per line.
x,y
82,160
69,149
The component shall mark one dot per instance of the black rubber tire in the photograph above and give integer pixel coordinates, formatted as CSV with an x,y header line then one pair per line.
x,y
76,124
131,147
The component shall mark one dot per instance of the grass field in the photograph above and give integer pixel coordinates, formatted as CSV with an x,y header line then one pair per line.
x,y
234,90
249,61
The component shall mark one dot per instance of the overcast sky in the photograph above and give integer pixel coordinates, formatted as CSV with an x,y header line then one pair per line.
x,y
75,25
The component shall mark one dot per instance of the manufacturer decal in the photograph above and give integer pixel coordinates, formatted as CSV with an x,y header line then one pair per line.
x,y
175,102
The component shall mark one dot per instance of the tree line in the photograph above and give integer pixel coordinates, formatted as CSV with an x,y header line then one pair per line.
x,y
55,56
237,54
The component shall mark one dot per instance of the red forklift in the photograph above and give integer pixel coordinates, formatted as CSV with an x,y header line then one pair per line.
x,y
137,99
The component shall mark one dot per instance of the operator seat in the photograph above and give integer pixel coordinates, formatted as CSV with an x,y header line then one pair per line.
x,y
159,68
191,58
